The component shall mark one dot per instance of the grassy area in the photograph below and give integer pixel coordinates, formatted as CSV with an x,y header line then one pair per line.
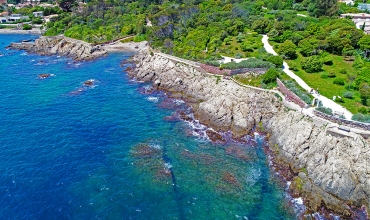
x,y
256,81
325,85
234,47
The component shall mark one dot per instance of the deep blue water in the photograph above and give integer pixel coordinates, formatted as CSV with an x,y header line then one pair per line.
x,y
71,152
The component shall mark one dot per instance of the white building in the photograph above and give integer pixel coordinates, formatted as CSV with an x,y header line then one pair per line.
x,y
38,14
17,17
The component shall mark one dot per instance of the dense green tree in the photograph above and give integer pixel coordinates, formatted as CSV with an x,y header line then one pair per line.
x,y
364,90
270,76
288,49
308,47
312,64
67,5
262,26
364,42
324,7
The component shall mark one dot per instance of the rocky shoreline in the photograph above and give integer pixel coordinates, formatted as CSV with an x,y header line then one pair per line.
x,y
62,46
327,171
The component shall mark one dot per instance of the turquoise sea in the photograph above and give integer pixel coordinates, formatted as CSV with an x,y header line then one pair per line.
x,y
110,151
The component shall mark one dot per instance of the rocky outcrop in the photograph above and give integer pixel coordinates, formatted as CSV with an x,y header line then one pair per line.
x,y
329,171
63,46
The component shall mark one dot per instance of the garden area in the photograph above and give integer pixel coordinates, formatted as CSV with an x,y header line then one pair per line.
x,y
329,55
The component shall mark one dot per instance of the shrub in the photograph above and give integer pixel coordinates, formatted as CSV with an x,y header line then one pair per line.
x,y
302,94
288,49
276,60
339,81
328,61
348,95
324,76
363,110
343,71
270,76
238,56
312,64
361,118
331,75
27,27
250,63
212,63
294,67
325,110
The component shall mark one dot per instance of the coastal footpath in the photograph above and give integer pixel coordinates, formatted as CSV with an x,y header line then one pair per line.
x,y
62,46
330,172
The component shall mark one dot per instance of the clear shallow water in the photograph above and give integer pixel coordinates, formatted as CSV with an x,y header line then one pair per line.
x,y
71,152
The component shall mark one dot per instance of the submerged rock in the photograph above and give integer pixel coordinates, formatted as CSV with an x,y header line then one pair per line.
x,y
44,75
89,82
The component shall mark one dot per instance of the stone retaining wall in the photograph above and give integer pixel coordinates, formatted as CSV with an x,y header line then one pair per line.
x,y
341,121
290,95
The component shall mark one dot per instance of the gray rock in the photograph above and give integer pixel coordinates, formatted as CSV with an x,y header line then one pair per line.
x,y
336,169
63,46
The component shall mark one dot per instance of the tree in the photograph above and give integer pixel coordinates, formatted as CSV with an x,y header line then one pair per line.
x,y
324,7
288,49
262,26
364,90
66,5
307,47
364,42
312,64
277,60
270,76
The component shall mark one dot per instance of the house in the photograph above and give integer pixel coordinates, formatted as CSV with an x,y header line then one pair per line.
x,y
3,19
363,7
38,14
17,17
348,2
361,20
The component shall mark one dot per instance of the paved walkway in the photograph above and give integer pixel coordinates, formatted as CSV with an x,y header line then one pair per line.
x,y
325,101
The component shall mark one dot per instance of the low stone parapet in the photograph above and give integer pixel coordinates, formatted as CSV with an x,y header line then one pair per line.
x,y
342,121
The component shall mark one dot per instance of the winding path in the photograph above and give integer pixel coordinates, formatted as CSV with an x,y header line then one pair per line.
x,y
325,101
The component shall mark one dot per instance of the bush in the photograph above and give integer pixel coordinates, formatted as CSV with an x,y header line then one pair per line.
x,y
348,95
361,118
238,56
250,63
270,76
328,61
276,60
339,81
27,27
324,76
325,110
212,63
343,71
312,64
302,94
288,49
331,75
363,110
294,67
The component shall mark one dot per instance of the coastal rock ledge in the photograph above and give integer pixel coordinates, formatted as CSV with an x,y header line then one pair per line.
x,y
62,46
330,172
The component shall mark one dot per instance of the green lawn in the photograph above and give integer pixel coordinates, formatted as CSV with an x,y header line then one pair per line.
x,y
235,48
326,86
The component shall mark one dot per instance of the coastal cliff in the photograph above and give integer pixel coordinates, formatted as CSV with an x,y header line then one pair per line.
x,y
63,46
328,171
